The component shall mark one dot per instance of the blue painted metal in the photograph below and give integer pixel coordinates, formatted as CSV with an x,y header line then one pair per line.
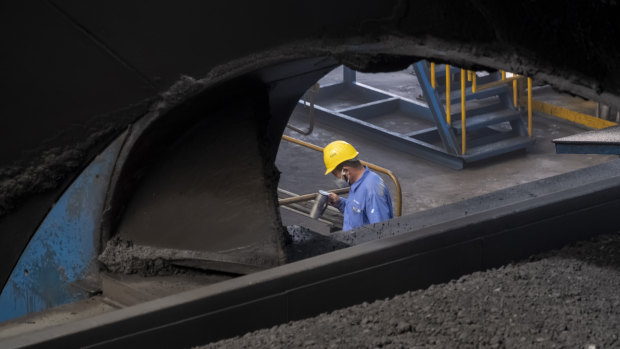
x,y
372,109
609,149
436,107
64,248
348,75
392,139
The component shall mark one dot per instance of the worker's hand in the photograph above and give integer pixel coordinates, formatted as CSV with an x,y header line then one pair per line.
x,y
333,199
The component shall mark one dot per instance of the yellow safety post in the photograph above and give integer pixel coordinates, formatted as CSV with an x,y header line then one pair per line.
x,y
473,82
469,75
448,117
529,106
494,84
463,111
514,93
433,74
503,74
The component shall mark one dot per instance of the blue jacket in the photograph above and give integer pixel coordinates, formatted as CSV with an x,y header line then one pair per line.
x,y
369,201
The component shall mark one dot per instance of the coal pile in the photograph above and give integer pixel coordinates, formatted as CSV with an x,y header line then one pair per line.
x,y
305,243
567,298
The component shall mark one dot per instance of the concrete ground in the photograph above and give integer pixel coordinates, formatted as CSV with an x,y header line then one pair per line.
x,y
426,184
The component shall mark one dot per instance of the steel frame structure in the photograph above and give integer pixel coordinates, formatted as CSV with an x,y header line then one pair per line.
x,y
439,142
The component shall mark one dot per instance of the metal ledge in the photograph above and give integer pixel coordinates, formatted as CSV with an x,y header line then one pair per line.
x,y
605,141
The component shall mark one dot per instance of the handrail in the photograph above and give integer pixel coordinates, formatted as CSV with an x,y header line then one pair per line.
x,y
463,144
529,106
497,83
471,76
399,192
448,116
514,93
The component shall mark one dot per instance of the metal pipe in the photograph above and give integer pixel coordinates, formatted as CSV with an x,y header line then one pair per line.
x,y
503,74
308,197
399,192
302,143
448,116
473,82
469,75
529,106
433,74
463,145
314,90
514,93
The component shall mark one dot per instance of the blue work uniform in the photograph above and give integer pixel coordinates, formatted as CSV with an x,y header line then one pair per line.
x,y
369,201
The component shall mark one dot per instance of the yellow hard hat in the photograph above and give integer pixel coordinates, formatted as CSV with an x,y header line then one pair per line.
x,y
336,153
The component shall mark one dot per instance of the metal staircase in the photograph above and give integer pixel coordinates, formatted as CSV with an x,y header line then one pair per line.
x,y
493,123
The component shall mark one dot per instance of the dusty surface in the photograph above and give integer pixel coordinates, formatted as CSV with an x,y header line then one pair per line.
x,y
48,172
608,136
305,243
563,299
126,257
58,315
205,181
121,256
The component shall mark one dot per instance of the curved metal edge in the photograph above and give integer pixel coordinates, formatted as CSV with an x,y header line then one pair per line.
x,y
63,249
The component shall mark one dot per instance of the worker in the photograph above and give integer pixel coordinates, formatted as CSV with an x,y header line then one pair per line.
x,y
369,199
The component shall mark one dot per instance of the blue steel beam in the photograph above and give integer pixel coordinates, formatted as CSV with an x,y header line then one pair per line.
x,y
395,140
437,110
372,109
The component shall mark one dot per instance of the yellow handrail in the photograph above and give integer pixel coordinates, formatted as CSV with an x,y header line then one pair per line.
x,y
463,112
473,82
448,117
529,106
497,83
514,93
471,76
399,192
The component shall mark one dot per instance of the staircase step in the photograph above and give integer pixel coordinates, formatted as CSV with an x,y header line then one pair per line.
x,y
488,108
483,120
455,94
497,148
